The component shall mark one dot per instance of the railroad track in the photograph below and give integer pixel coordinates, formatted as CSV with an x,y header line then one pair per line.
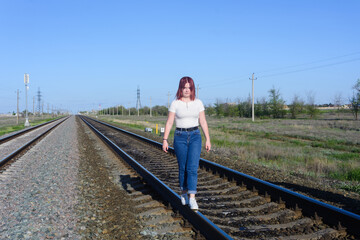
x,y
11,146
232,204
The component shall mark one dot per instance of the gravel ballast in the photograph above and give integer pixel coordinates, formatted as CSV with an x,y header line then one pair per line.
x,y
63,188
38,192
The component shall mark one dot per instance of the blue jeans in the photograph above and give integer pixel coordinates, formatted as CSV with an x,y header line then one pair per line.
x,y
187,147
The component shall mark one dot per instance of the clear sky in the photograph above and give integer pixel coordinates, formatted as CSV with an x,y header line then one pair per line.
x,y
85,53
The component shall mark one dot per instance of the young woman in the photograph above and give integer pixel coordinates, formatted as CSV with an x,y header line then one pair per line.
x,y
188,112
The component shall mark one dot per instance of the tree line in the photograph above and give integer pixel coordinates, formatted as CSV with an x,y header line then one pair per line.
x,y
271,107
274,106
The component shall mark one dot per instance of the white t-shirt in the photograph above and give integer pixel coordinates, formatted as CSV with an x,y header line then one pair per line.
x,y
186,113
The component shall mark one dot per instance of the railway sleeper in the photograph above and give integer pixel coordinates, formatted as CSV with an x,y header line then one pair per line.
x,y
248,203
226,197
230,190
281,216
297,227
324,234
210,180
231,211
219,186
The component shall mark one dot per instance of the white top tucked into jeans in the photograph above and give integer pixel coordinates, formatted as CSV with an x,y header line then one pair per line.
x,y
186,113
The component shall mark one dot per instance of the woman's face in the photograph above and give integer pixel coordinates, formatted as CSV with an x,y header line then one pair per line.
x,y
186,92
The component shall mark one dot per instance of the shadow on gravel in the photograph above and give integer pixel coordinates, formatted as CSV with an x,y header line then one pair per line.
x,y
125,180
346,203
131,184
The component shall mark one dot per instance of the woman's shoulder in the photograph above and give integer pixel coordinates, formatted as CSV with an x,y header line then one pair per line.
x,y
198,101
176,101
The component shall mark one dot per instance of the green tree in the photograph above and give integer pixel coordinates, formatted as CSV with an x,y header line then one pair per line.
x,y
355,99
209,110
276,103
219,108
159,110
262,108
244,108
310,106
296,107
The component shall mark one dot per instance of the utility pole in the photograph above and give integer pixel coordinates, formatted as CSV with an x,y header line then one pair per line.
x,y
33,108
129,109
253,113
26,81
39,101
138,103
17,108
197,91
168,100
150,107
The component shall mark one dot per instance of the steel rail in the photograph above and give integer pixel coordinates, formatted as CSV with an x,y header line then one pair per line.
x,y
13,154
7,138
198,220
331,215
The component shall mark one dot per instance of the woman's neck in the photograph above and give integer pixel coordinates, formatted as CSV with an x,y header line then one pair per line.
x,y
186,99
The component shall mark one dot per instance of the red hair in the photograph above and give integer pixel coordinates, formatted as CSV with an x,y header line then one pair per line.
x,y
183,81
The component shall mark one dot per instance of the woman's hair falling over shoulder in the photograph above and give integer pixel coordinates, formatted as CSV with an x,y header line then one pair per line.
x,y
183,81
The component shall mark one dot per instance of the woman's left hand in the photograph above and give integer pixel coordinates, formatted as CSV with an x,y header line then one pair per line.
x,y
208,145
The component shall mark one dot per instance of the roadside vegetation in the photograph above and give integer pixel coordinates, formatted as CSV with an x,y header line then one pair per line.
x,y
327,147
8,124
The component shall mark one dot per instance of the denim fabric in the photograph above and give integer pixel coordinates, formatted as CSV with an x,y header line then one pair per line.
x,y
187,147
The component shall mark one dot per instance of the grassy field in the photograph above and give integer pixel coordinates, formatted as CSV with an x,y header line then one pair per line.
x,y
8,124
320,148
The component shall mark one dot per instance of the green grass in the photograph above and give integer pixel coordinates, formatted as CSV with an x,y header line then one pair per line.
x,y
343,156
8,129
131,125
310,148
351,188
348,175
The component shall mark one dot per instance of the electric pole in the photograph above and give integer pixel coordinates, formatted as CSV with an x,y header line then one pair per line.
x,y
197,91
17,108
26,81
138,103
150,107
33,108
129,109
168,100
252,107
38,101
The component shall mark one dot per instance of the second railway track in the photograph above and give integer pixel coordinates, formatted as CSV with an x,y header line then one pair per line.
x,y
12,145
244,207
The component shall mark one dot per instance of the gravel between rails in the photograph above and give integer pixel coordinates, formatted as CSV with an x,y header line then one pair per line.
x,y
62,188
13,144
38,192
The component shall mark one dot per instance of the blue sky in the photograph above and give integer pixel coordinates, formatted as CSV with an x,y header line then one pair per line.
x,y
85,53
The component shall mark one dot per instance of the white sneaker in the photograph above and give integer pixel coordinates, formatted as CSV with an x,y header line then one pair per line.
x,y
193,204
184,199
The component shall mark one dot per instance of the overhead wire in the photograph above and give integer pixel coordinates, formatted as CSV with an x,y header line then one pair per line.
x,y
227,81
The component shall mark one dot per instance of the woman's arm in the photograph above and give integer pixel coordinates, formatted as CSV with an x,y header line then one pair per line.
x,y
205,129
168,127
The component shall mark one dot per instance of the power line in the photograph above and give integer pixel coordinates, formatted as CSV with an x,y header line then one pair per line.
x,y
236,79
304,64
311,68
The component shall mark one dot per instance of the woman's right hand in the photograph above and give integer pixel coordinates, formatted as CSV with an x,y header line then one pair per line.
x,y
165,146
